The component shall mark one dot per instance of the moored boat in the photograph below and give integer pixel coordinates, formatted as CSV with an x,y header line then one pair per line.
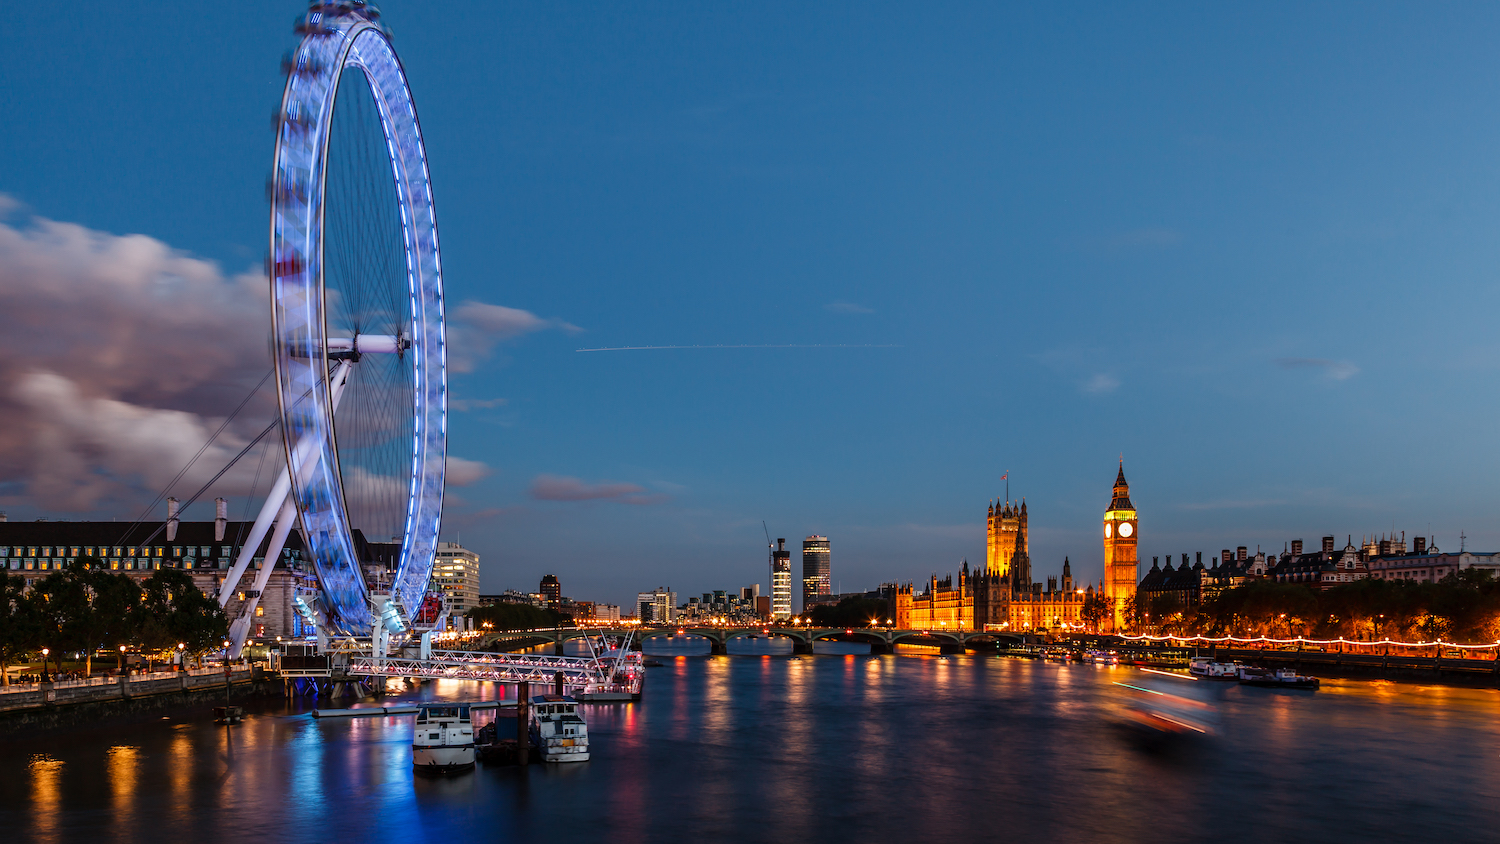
x,y
1206,669
557,730
620,672
442,739
1281,678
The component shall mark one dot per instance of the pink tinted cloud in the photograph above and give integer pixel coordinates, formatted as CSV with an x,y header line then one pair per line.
x,y
565,488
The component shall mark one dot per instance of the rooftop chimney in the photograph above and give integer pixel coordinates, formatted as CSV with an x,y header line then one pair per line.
x,y
1328,544
171,520
1241,553
4,518
221,518
1296,547
1419,545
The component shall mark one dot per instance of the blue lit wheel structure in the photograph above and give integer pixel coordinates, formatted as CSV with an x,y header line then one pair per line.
x,y
357,312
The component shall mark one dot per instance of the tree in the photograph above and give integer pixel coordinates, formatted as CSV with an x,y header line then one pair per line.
x,y
61,603
174,612
19,623
856,611
114,599
1095,609
517,617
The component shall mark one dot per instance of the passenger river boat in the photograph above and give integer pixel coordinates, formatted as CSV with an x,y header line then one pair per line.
x,y
557,730
620,671
443,739
1281,678
1206,669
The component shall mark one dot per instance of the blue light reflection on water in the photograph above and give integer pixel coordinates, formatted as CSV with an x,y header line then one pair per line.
x,y
770,747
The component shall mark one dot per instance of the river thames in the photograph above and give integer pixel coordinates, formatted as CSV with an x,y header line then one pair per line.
x,y
767,747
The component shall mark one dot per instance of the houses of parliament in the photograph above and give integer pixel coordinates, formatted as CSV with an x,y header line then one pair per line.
x,y
1002,595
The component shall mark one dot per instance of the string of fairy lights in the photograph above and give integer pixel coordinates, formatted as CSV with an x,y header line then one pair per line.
x,y
1303,641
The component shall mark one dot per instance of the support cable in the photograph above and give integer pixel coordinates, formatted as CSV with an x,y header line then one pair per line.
x,y
168,488
211,481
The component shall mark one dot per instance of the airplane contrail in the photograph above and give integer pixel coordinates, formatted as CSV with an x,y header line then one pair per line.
x,y
753,346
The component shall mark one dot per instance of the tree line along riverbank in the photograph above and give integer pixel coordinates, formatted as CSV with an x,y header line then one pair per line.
x,y
1462,607
81,612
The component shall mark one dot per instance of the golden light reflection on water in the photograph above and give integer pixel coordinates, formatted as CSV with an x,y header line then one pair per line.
x,y
46,795
181,768
718,702
120,764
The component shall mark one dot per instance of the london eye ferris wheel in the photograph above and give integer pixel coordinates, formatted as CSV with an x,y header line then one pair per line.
x,y
357,315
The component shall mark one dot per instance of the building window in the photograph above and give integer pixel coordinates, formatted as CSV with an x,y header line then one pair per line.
x,y
260,611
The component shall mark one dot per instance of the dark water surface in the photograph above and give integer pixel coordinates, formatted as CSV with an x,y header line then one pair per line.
x,y
771,748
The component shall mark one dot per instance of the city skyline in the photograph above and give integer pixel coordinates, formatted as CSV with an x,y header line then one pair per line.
x,y
946,246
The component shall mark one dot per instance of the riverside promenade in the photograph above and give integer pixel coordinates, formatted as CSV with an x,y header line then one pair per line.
x,y
65,701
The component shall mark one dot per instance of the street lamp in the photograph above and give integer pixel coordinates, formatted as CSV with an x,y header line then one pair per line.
x,y
45,651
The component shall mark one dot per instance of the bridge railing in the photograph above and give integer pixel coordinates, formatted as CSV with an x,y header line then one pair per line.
x,y
499,673
538,660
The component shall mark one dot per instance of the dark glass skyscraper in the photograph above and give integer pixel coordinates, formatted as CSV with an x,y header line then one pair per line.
x,y
815,570
551,590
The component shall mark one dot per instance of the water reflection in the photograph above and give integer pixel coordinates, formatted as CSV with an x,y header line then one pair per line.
x,y
120,767
772,747
46,795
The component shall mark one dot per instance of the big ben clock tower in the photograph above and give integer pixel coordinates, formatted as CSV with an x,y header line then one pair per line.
x,y
1120,573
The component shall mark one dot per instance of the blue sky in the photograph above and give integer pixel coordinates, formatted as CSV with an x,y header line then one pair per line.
x,y
1252,248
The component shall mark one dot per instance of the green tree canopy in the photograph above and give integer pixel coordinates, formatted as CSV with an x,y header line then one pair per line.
x,y
518,617
856,611
174,611
20,623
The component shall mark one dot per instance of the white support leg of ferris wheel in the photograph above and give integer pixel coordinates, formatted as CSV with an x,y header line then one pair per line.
x,y
239,630
278,504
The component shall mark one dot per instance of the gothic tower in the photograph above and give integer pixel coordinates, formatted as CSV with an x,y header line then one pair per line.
x,y
1120,573
1007,538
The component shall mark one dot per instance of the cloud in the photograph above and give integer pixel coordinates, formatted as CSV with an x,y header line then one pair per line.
x,y
1338,370
564,488
847,308
466,405
1100,384
120,357
461,472
474,328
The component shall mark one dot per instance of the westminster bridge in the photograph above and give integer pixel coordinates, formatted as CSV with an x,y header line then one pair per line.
x,y
882,640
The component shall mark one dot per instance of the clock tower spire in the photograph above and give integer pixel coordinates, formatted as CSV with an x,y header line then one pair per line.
x,y
1120,572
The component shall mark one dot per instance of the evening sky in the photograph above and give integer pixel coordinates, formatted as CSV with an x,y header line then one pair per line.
x,y
1251,247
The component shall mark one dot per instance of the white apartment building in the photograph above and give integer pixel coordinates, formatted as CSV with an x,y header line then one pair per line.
x,y
659,606
456,573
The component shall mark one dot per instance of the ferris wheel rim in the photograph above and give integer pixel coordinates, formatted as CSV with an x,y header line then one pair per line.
x,y
334,43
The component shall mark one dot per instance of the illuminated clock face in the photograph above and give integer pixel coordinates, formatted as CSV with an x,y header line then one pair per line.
x,y
1108,530
1126,529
